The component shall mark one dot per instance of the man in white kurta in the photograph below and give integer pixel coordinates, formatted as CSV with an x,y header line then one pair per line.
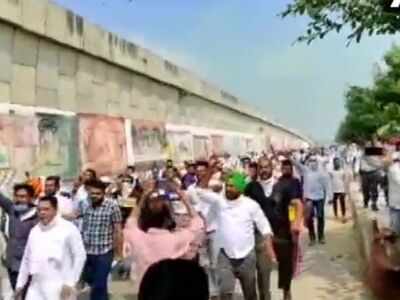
x,y
54,257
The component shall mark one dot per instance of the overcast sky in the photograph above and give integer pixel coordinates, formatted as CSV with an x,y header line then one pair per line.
x,y
247,50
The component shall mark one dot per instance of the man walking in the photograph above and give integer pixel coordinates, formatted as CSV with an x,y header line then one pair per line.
x,y
370,166
260,190
238,219
286,224
53,258
65,207
23,217
102,236
317,190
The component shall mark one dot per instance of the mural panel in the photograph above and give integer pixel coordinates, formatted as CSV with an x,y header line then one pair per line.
x,y
57,152
102,143
180,145
19,141
201,147
149,139
217,142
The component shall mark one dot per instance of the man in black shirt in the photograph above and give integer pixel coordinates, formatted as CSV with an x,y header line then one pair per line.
x,y
286,223
259,189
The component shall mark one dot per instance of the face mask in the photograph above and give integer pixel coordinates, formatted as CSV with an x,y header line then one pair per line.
x,y
21,208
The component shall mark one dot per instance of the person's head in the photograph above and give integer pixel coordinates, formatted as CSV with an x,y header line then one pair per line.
x,y
246,162
169,173
191,169
52,185
287,168
313,163
23,194
174,280
337,164
265,169
47,209
253,171
97,190
88,175
130,170
155,212
170,163
201,169
235,185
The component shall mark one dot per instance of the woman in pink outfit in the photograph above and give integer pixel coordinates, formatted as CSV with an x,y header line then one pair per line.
x,y
151,235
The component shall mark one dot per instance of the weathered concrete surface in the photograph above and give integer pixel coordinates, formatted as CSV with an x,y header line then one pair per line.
x,y
42,43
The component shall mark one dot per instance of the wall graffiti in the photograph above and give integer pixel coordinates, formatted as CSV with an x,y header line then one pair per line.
x,y
102,143
57,152
201,147
217,142
149,139
181,145
19,140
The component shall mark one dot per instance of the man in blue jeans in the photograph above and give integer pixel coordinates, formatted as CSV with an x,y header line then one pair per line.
x,y
102,236
317,190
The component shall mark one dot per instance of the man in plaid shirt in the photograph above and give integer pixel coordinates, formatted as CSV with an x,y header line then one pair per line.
x,y
102,236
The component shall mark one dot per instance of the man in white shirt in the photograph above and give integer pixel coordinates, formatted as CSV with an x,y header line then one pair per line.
x,y
65,205
238,219
339,188
54,257
81,198
208,210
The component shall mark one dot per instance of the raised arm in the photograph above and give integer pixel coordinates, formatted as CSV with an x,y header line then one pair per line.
x,y
6,203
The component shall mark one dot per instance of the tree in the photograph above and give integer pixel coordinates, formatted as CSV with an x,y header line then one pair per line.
x,y
374,110
361,16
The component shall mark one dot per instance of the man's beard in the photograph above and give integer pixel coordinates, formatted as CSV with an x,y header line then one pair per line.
x,y
265,176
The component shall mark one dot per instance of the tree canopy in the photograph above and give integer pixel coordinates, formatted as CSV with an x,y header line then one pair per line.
x,y
363,17
376,109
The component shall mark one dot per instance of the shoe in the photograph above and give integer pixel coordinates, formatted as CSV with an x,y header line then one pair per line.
x,y
375,208
312,243
365,205
322,241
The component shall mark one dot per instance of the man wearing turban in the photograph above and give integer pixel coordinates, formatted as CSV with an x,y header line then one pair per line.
x,y
238,217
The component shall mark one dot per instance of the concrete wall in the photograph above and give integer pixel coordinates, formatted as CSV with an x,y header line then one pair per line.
x,y
52,58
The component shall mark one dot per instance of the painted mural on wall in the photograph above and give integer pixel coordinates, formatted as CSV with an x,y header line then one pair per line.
x,y
149,139
57,152
217,142
180,145
201,147
102,143
232,145
19,140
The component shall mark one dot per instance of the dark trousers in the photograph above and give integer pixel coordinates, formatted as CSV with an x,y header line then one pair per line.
x,y
97,269
369,186
264,269
341,198
317,210
284,254
13,277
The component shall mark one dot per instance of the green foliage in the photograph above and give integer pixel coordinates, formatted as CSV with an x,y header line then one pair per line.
x,y
374,110
363,17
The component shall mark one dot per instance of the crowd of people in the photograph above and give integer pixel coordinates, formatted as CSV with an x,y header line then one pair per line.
x,y
236,218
